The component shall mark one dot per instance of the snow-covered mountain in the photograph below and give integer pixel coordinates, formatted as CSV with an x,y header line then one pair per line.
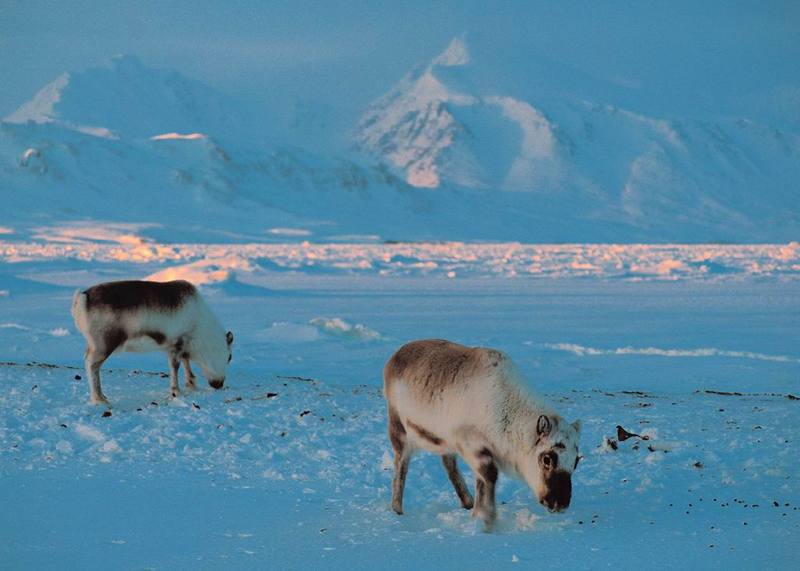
x,y
461,149
127,99
468,120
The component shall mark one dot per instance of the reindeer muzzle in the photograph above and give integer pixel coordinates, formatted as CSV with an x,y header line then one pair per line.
x,y
559,492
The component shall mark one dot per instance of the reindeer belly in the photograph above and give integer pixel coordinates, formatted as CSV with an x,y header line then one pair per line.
x,y
141,344
436,425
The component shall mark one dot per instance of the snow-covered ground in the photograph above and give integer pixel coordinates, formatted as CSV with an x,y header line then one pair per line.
x,y
288,467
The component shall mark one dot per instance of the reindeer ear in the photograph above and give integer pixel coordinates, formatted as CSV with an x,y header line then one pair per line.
x,y
543,426
577,426
229,337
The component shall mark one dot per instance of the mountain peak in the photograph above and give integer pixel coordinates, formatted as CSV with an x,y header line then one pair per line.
x,y
126,62
126,98
455,54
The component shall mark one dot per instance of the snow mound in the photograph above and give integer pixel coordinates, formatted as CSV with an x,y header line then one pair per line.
x,y
208,271
337,327
582,351
178,136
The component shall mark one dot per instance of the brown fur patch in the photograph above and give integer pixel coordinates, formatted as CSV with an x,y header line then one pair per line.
x,y
397,432
489,472
426,434
112,339
130,295
156,336
433,365
487,469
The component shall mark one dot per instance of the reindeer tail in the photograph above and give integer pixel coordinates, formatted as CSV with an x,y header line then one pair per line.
x,y
79,312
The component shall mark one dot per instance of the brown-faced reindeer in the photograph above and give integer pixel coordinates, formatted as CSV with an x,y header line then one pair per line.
x,y
145,316
450,399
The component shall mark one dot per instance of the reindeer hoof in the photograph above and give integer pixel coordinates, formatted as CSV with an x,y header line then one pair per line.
x,y
486,517
176,393
467,503
398,509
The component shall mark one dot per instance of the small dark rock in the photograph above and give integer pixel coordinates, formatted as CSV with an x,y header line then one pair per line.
x,y
305,412
698,464
78,377
106,414
195,405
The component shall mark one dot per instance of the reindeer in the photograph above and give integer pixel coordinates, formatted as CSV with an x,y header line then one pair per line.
x,y
450,399
146,316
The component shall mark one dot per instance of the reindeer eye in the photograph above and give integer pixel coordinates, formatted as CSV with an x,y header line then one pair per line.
x,y
549,460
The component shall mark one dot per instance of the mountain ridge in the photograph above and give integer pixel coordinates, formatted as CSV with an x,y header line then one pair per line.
x,y
442,155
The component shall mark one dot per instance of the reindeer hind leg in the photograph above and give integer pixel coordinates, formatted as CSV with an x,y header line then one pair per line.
x,y
402,457
93,361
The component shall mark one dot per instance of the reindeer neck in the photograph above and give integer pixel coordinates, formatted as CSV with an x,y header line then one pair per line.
x,y
518,418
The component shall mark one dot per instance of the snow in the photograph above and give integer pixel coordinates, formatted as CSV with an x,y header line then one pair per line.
x,y
178,136
207,263
289,465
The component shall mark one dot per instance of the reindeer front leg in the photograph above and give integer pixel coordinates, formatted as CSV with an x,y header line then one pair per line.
x,y
189,376
451,467
174,364
483,464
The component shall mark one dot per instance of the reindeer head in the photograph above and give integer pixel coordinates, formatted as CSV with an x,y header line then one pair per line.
x,y
554,458
216,360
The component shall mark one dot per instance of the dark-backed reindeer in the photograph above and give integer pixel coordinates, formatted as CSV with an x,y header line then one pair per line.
x,y
143,316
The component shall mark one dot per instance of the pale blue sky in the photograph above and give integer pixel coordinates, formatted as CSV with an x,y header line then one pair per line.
x,y
346,53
